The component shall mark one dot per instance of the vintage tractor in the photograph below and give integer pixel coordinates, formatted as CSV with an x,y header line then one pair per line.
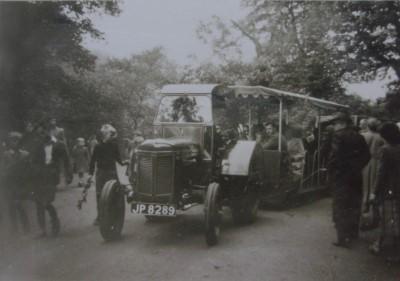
x,y
188,163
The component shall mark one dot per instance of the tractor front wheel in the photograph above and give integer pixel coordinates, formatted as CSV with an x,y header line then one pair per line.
x,y
111,211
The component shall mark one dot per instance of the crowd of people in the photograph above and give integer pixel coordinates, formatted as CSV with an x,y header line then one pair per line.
x,y
363,163
364,168
34,163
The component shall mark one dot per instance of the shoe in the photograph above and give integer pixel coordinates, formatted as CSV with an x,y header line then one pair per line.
x,y
345,243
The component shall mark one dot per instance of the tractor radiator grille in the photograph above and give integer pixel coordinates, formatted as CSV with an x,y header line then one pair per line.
x,y
156,172
145,173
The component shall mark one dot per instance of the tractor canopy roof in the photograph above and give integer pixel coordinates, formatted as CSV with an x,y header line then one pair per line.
x,y
247,92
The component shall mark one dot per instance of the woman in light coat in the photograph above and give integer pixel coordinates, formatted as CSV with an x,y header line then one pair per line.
x,y
369,218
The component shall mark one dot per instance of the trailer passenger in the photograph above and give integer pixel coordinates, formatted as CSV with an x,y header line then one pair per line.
x,y
271,141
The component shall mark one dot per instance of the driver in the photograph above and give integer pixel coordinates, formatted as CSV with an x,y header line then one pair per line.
x,y
271,140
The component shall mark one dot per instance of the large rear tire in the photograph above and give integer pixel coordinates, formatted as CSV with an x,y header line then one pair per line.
x,y
244,210
212,214
112,211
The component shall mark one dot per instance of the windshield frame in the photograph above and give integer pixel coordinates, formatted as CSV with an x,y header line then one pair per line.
x,y
208,123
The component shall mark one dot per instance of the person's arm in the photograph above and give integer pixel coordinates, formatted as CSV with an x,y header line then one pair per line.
x,y
117,155
364,153
382,176
87,155
334,157
93,161
67,159
65,155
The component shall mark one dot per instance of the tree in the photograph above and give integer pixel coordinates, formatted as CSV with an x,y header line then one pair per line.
x,y
39,41
369,37
293,46
126,89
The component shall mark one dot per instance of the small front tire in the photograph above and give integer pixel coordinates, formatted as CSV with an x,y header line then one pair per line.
x,y
111,211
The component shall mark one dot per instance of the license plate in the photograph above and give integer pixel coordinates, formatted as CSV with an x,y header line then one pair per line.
x,y
153,209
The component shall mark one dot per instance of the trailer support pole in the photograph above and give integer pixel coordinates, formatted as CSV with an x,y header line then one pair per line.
x,y
280,123
249,122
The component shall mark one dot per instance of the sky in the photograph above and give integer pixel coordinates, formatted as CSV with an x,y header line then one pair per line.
x,y
145,24
171,24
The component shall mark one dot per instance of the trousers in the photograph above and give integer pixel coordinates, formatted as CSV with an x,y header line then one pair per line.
x,y
347,201
41,209
103,176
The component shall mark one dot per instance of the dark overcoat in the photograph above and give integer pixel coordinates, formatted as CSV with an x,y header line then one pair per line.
x,y
45,177
349,155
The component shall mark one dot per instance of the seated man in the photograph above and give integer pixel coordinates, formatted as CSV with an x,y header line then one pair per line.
x,y
271,141
243,132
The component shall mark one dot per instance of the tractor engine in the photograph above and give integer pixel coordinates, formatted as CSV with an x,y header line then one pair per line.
x,y
163,168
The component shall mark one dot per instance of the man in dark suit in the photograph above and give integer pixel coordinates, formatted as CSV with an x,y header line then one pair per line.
x,y
46,163
349,155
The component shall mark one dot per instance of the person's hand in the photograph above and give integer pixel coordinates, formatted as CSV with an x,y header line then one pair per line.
x,y
130,194
372,197
310,138
90,180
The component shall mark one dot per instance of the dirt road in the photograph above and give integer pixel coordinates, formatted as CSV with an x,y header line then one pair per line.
x,y
286,245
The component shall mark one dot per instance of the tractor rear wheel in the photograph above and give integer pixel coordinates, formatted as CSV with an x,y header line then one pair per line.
x,y
244,210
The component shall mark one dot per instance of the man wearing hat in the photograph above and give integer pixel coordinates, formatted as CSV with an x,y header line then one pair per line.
x,y
349,155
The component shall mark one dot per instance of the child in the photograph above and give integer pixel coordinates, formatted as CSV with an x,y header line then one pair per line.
x,y
81,158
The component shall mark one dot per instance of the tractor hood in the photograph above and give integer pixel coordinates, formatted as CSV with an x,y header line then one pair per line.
x,y
185,148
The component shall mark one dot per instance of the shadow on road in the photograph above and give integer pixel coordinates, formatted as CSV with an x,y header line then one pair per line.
x,y
185,229
296,201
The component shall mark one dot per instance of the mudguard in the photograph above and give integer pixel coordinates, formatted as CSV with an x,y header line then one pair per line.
x,y
239,158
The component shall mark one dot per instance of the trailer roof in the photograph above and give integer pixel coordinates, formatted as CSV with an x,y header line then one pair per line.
x,y
188,88
246,92
260,91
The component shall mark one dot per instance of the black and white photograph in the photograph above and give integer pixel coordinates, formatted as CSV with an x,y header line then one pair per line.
x,y
199,140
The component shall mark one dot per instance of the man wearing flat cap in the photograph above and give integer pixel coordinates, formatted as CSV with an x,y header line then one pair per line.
x,y
349,155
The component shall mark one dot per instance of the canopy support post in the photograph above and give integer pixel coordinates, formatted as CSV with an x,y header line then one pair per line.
x,y
280,124
319,149
249,137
